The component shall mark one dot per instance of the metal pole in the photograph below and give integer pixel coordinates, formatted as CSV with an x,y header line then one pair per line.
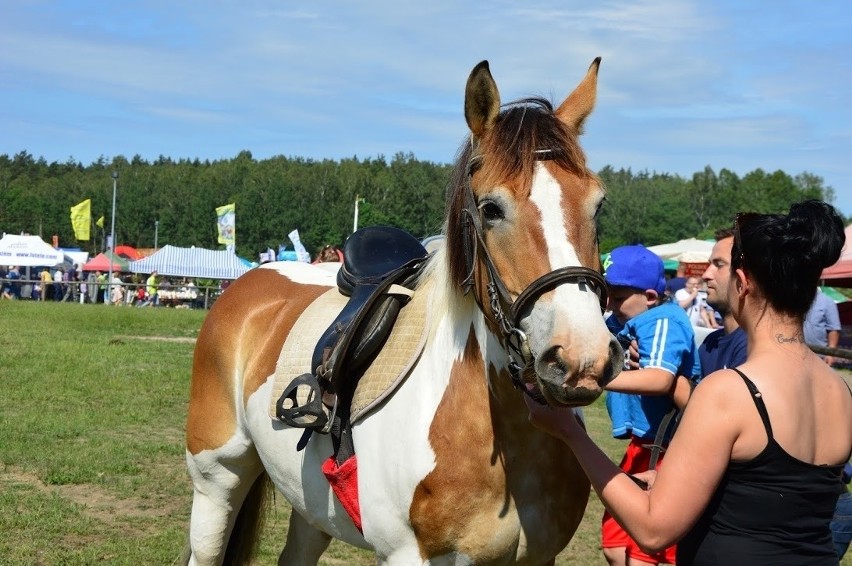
x,y
108,297
156,230
355,223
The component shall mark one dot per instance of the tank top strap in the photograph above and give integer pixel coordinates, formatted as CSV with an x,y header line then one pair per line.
x,y
757,397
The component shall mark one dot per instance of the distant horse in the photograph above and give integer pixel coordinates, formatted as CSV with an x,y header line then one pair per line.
x,y
449,469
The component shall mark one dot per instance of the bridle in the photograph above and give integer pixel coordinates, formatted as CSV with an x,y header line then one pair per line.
x,y
506,311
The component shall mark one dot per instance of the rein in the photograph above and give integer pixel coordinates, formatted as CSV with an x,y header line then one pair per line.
x,y
505,310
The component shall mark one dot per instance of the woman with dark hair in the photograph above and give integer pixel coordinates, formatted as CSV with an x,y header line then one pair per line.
x,y
753,473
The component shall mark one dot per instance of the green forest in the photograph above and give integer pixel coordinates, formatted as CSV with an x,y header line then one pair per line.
x,y
174,201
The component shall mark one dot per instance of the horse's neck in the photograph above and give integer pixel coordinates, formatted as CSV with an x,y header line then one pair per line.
x,y
452,310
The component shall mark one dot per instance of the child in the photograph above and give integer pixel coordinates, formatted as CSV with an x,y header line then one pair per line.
x,y
638,401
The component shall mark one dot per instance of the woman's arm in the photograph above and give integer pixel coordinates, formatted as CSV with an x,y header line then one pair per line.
x,y
693,466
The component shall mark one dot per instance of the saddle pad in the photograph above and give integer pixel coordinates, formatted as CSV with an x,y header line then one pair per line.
x,y
391,366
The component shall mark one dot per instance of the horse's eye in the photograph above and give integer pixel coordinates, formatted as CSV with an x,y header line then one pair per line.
x,y
490,211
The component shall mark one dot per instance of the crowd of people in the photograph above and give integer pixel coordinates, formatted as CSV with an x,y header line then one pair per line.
x,y
68,284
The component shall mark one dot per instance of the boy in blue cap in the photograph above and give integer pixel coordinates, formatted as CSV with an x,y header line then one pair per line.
x,y
638,401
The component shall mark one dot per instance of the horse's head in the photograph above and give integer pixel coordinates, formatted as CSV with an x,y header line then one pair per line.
x,y
521,233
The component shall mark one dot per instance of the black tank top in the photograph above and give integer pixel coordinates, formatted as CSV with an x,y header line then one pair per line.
x,y
771,510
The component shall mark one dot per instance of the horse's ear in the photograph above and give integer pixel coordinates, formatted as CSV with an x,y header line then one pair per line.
x,y
580,103
481,100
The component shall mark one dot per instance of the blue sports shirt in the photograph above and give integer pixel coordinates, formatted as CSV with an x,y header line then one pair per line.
x,y
666,341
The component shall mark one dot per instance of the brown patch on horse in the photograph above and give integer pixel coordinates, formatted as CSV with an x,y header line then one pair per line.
x,y
460,483
470,502
242,335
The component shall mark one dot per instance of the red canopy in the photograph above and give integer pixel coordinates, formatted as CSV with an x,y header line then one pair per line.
x,y
843,268
101,263
128,252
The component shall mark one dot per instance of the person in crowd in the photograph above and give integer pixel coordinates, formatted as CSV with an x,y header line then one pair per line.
x,y
328,254
6,284
638,401
14,277
725,347
753,473
151,286
692,298
84,288
58,286
101,279
117,291
141,297
70,280
677,282
45,281
822,324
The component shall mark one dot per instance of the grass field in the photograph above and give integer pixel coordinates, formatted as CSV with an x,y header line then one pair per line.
x,y
92,416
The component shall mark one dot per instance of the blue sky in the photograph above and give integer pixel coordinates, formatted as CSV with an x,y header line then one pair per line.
x,y
682,85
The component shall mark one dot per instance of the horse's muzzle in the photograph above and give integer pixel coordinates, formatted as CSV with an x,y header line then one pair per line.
x,y
576,380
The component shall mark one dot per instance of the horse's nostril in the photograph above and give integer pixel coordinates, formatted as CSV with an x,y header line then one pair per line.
x,y
551,363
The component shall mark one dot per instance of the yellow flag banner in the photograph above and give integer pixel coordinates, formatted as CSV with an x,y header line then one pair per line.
x,y
100,222
81,219
226,217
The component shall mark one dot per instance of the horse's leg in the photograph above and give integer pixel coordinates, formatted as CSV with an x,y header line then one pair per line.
x,y
304,545
222,479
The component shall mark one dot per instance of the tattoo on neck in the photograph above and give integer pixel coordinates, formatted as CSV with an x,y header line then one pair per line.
x,y
781,339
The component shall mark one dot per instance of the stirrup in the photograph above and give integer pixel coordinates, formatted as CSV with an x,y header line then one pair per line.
x,y
312,414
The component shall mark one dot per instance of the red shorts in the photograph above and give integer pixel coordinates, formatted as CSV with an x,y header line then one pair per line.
x,y
636,459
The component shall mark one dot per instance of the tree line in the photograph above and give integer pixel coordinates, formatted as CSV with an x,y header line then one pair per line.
x,y
174,201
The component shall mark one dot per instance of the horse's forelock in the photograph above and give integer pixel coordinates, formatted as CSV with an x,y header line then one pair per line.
x,y
508,151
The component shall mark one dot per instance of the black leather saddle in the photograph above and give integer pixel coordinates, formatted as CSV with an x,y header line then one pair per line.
x,y
381,265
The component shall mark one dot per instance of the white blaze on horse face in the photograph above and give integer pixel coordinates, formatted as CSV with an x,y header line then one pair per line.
x,y
548,321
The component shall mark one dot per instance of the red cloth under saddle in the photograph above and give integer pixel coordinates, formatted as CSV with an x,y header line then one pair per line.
x,y
344,483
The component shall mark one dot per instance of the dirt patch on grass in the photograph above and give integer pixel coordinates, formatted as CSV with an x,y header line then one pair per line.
x,y
95,501
180,339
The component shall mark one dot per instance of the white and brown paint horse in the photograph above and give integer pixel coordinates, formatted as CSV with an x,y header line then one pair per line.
x,y
449,469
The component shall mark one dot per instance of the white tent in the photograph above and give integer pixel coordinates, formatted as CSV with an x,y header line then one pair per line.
x,y
28,251
690,250
173,261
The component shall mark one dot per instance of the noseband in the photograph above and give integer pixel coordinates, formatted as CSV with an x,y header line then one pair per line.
x,y
500,300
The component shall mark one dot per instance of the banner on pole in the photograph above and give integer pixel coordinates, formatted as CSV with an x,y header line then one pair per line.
x,y
225,222
81,219
100,222
301,253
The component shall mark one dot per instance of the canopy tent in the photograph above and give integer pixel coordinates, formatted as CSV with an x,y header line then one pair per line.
x,y
101,262
843,268
28,251
690,250
191,262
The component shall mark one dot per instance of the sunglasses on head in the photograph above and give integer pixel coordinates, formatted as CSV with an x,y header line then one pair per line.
x,y
740,220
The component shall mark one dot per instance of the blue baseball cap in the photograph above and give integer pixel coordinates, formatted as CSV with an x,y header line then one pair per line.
x,y
637,267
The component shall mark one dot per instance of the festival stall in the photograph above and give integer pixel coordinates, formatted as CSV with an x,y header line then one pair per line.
x,y
101,262
172,261
692,254
25,251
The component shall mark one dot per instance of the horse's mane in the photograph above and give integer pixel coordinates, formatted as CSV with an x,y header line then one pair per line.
x,y
508,151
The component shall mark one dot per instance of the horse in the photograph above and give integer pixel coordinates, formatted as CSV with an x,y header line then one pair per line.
x,y
450,471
